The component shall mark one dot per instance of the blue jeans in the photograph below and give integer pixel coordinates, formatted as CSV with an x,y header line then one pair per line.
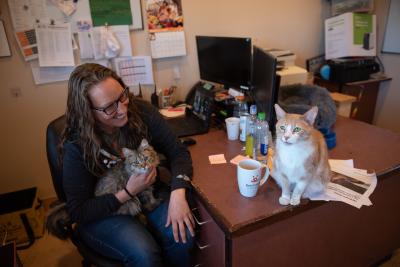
x,y
125,238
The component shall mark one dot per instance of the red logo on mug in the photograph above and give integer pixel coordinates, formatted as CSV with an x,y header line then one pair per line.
x,y
255,179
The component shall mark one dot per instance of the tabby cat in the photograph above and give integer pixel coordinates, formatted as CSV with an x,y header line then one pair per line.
x,y
136,162
300,164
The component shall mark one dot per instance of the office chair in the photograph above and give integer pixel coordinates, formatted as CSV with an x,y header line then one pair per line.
x,y
90,257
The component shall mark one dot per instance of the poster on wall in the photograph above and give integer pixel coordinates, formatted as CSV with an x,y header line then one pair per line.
x,y
165,25
116,12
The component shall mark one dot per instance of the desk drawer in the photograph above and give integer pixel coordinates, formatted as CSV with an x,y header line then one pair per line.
x,y
210,239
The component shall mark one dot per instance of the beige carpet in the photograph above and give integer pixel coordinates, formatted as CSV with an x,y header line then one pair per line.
x,y
49,251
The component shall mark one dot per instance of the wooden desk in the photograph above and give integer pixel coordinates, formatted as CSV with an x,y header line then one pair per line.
x,y
260,232
366,93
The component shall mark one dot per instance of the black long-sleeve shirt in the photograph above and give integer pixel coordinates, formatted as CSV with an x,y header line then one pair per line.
x,y
79,183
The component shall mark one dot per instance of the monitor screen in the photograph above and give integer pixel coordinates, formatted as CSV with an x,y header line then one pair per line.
x,y
225,60
265,84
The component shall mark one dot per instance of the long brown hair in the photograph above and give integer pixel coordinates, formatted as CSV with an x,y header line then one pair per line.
x,y
81,127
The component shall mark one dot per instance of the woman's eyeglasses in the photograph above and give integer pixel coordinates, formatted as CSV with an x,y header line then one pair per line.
x,y
112,108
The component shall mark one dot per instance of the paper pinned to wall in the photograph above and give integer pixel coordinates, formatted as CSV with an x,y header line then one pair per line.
x,y
134,70
42,75
4,47
55,45
24,13
167,44
165,25
121,32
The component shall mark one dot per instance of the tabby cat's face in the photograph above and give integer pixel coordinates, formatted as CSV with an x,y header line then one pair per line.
x,y
142,159
292,128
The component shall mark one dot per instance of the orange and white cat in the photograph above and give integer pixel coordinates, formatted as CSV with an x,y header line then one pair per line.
x,y
300,165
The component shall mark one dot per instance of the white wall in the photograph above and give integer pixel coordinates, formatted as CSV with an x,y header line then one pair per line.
x,y
387,107
294,25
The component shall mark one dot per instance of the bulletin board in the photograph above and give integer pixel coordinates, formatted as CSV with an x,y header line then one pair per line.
x,y
83,13
391,41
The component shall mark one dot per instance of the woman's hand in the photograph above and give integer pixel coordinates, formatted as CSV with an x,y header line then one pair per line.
x,y
136,184
179,215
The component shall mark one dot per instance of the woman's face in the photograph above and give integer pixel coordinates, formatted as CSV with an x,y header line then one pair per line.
x,y
111,97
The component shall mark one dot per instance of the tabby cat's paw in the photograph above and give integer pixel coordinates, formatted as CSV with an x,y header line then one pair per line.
x,y
284,200
295,201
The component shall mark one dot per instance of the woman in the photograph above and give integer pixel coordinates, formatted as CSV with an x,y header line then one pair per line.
x,y
101,115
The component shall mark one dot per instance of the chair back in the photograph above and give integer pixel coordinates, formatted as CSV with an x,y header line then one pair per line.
x,y
52,139
53,133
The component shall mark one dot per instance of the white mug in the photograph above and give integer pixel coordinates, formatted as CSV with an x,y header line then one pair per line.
x,y
249,176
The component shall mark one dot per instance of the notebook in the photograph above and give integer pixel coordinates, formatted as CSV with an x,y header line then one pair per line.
x,y
197,119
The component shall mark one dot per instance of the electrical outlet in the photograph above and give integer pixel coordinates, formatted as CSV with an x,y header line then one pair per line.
x,y
177,73
15,92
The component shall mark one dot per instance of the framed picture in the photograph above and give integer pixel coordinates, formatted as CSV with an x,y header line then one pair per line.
x,y
4,46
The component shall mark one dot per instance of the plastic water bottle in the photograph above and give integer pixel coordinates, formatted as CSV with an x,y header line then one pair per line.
x,y
262,134
240,106
243,127
250,138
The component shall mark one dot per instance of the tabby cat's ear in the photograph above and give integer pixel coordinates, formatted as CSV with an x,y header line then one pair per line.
x,y
310,115
280,113
127,152
144,143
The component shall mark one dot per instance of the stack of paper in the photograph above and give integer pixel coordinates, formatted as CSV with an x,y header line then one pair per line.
x,y
284,57
348,184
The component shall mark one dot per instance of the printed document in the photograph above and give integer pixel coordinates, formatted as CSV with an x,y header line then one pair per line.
x,y
348,184
55,45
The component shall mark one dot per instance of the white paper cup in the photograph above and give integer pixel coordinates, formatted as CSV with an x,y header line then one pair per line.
x,y
232,127
249,176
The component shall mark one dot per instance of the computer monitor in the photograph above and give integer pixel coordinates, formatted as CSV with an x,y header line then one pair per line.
x,y
225,60
265,84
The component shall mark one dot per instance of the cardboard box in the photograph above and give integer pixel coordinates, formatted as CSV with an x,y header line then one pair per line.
x,y
343,6
15,204
350,35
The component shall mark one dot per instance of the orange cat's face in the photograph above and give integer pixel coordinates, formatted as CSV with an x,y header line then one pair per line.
x,y
292,128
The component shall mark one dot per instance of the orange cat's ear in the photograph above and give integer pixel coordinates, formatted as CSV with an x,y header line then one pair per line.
x,y
310,115
280,113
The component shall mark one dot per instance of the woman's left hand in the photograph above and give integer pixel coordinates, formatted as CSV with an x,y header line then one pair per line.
x,y
179,215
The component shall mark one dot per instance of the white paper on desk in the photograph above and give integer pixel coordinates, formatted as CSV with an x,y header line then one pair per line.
x,y
134,70
42,75
238,159
121,33
217,159
348,184
173,112
341,162
55,45
358,185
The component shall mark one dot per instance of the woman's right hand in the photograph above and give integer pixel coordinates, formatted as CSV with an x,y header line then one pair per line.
x,y
136,184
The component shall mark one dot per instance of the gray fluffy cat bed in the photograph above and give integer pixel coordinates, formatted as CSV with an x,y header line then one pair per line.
x,y
299,98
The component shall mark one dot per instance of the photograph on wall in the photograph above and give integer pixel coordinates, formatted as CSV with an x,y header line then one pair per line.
x,y
164,15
